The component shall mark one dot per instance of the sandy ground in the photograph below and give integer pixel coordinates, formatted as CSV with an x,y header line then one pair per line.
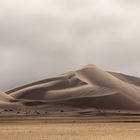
x,y
84,130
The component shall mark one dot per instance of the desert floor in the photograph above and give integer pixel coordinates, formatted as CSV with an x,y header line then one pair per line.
x,y
32,129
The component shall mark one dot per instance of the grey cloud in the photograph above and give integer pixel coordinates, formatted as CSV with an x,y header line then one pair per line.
x,y
46,37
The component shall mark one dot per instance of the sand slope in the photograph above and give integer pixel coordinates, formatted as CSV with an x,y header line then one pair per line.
x,y
5,97
89,87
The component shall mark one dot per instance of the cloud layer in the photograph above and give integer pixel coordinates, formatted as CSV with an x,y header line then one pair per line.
x,y
42,38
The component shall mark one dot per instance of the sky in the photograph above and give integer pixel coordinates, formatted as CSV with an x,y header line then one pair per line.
x,y
43,38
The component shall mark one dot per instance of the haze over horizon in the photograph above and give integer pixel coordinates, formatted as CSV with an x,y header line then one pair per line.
x,y
42,38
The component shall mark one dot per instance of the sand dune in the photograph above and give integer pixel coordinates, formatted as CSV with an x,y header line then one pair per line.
x,y
89,87
5,97
7,102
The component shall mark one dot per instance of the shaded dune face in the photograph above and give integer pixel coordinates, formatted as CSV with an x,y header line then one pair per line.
x,y
88,87
43,91
109,102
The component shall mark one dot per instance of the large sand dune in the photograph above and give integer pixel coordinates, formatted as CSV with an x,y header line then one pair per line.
x,y
88,88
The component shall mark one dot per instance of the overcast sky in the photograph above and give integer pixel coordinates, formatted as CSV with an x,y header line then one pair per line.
x,y
42,38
